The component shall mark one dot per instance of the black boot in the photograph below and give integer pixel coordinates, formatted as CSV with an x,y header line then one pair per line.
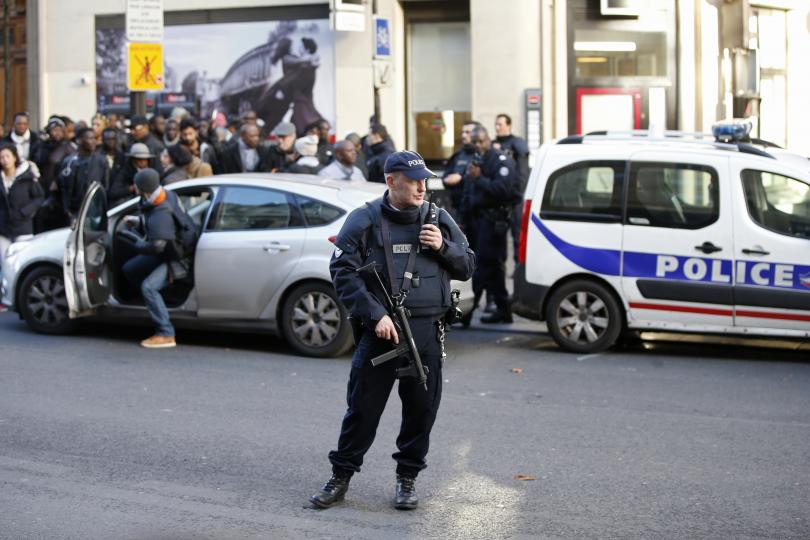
x,y
406,498
466,319
499,316
333,491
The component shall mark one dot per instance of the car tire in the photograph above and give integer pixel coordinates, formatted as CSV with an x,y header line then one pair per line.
x,y
314,322
42,301
584,317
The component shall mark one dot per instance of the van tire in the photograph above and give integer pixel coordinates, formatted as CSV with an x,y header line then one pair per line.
x,y
314,322
583,317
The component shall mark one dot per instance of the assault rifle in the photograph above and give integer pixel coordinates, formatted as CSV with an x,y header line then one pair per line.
x,y
407,346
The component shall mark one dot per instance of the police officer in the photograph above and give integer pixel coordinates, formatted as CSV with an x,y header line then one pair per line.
x,y
159,253
517,149
414,257
491,188
457,167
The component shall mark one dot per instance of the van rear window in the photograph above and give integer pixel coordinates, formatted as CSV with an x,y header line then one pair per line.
x,y
586,191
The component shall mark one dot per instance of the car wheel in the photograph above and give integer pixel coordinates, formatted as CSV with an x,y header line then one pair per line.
x,y
583,317
42,301
314,322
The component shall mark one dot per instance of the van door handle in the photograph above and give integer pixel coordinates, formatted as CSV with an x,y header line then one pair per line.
x,y
708,247
758,251
275,246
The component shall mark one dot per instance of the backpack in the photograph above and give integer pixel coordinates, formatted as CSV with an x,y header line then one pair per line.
x,y
186,235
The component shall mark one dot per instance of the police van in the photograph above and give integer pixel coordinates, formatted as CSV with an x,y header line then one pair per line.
x,y
675,232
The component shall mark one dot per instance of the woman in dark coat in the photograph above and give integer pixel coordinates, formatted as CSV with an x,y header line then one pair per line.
x,y
20,197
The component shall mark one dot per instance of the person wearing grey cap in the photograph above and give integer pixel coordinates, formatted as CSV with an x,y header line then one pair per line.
x,y
161,256
141,134
122,185
281,155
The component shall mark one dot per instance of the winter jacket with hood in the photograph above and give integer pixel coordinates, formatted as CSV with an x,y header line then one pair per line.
x,y
20,203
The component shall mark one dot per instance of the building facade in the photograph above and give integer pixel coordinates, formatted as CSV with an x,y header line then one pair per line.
x,y
557,67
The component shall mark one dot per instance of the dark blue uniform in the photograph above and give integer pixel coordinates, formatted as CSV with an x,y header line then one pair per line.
x,y
358,243
457,164
518,150
488,202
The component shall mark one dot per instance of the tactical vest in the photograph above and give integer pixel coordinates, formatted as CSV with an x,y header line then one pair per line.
x,y
431,298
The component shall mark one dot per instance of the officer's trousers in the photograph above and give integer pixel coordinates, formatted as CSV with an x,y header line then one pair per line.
x,y
490,269
367,394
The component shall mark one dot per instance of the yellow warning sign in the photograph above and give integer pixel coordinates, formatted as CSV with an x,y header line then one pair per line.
x,y
145,66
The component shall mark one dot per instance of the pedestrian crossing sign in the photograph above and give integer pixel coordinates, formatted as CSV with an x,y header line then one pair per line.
x,y
145,66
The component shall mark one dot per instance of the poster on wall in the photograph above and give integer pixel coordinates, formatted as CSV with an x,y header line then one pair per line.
x,y
283,70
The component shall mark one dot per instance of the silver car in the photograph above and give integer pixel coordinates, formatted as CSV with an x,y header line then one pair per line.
x,y
261,263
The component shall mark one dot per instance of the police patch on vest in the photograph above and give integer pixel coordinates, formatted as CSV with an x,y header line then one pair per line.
x,y
338,252
401,248
504,171
502,157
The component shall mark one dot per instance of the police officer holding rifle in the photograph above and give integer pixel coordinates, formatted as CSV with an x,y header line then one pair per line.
x,y
391,268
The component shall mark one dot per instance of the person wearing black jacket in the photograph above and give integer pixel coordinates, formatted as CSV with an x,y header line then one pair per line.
x,y
379,148
26,141
52,152
456,168
158,249
492,186
281,155
116,158
122,185
244,155
79,171
20,197
141,134
517,149
418,258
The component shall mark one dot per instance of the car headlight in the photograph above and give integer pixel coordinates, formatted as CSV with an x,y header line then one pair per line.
x,y
16,248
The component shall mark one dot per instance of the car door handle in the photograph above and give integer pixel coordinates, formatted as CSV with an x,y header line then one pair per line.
x,y
757,251
708,247
275,246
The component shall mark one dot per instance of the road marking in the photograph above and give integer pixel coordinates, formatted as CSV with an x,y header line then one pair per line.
x,y
588,357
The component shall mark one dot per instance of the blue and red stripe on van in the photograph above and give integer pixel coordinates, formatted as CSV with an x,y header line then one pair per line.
x,y
697,279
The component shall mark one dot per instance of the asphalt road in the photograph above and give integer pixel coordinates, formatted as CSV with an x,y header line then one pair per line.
x,y
226,437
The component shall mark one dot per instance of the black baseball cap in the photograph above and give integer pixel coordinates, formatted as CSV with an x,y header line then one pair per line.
x,y
409,163
139,120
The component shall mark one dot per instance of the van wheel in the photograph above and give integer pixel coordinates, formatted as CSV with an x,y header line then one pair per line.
x,y
42,301
583,317
314,322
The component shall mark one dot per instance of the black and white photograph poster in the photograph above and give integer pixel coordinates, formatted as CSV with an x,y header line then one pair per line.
x,y
283,70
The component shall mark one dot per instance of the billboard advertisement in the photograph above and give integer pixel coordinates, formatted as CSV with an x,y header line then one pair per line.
x,y
283,70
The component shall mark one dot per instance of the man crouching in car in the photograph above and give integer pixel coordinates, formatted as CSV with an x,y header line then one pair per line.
x,y
160,254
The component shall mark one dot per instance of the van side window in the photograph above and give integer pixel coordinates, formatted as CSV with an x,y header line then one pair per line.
x,y
587,191
672,195
778,203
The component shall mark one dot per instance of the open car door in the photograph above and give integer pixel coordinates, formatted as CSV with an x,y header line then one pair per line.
x,y
87,277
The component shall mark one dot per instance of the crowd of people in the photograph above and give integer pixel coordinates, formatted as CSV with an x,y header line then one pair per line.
x,y
46,174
